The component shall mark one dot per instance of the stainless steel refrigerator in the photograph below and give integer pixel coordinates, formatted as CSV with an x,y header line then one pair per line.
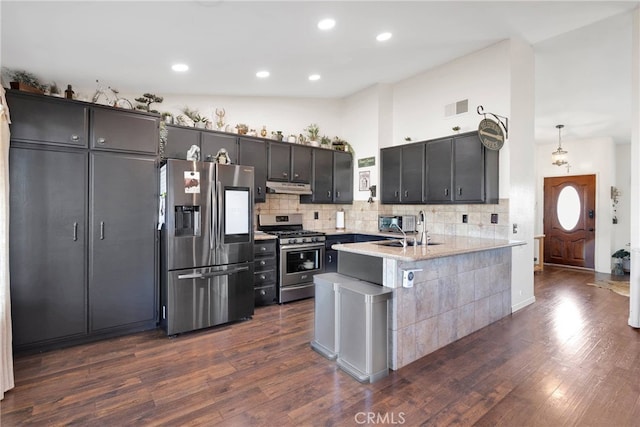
x,y
206,220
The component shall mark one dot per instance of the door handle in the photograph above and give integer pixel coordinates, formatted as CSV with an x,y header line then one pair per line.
x,y
591,229
101,230
75,231
213,274
446,191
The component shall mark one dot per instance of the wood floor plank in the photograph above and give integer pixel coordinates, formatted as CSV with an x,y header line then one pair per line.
x,y
568,359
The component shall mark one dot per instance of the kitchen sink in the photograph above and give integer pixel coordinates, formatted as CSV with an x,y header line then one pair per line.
x,y
398,243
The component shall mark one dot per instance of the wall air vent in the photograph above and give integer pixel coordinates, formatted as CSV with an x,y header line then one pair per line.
x,y
456,108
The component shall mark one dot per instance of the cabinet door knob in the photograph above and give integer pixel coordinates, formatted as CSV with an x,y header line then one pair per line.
x,y
263,292
263,277
396,194
263,248
75,231
285,174
330,258
328,194
101,230
75,138
263,263
101,140
259,190
446,191
459,191
295,175
406,193
337,194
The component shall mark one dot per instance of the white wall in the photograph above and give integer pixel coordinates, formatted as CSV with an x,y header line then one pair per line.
x,y
481,77
589,156
521,151
289,115
622,230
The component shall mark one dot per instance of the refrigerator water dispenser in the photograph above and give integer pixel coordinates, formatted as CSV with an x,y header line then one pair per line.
x,y
187,220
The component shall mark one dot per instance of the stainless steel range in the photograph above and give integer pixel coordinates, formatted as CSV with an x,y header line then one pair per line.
x,y
300,255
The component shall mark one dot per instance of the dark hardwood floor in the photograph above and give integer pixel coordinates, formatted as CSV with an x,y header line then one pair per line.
x,y
568,359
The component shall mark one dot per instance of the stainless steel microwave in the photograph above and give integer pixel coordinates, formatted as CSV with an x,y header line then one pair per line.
x,y
390,223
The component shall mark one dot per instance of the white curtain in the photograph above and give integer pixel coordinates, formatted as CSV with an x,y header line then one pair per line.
x,y
6,356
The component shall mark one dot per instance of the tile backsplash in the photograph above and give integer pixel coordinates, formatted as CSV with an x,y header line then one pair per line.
x,y
363,216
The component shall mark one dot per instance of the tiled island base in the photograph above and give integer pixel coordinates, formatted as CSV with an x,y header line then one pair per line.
x,y
452,297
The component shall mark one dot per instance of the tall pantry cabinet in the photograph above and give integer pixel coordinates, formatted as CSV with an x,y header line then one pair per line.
x,y
83,215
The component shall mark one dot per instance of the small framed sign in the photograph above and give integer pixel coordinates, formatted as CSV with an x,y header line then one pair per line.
x,y
490,134
364,180
366,162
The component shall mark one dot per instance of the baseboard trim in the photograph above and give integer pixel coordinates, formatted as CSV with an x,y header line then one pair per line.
x,y
523,304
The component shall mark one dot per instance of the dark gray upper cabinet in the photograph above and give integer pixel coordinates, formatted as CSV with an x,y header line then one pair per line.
x,y
468,177
402,173
122,130
331,177
289,162
321,178
48,243
41,119
301,164
461,170
390,169
213,142
122,223
342,177
439,176
279,162
179,141
253,152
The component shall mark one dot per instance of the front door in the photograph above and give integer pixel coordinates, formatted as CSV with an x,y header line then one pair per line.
x,y
569,220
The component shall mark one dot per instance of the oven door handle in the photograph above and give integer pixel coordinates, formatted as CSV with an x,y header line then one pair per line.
x,y
292,288
302,246
213,274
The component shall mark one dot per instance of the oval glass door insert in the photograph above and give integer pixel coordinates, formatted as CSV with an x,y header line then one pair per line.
x,y
568,207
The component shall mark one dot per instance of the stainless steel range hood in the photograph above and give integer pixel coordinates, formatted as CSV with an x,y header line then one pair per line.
x,y
288,187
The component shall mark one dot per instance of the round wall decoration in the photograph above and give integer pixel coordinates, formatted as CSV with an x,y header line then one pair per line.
x,y
490,134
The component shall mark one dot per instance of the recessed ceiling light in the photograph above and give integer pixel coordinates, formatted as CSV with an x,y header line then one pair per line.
x,y
327,24
180,67
262,74
314,77
383,37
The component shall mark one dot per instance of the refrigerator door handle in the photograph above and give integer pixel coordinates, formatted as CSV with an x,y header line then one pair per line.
x,y
213,274
219,214
212,217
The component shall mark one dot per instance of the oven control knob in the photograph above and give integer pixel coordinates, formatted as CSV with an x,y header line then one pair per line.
x,y
315,239
293,241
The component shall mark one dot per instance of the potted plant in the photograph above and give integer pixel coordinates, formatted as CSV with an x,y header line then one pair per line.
x,y
313,131
146,100
325,141
25,81
54,90
619,257
167,117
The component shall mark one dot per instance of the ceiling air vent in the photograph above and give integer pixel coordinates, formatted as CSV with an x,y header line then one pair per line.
x,y
456,108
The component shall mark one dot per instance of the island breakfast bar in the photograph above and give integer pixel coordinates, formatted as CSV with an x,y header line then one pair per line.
x,y
460,285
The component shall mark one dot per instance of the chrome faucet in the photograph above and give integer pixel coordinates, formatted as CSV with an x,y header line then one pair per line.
x,y
404,240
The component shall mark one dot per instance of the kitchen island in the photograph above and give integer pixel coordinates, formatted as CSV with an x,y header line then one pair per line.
x,y
460,285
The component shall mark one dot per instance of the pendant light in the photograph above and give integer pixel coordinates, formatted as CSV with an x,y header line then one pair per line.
x,y
559,157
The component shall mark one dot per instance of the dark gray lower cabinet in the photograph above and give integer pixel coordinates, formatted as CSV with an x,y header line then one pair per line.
x,y
122,241
48,244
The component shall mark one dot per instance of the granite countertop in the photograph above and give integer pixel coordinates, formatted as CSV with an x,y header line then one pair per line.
x,y
261,235
449,245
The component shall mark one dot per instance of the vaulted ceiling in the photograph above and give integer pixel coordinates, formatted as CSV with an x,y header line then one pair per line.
x,y
583,48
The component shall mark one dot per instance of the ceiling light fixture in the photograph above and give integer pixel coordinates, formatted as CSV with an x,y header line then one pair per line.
x,y
383,37
180,68
559,157
262,74
314,77
326,24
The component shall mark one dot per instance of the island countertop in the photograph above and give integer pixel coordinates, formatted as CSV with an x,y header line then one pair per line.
x,y
447,246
